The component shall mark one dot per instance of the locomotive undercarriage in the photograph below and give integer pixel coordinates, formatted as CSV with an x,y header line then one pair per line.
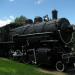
x,y
45,55
45,51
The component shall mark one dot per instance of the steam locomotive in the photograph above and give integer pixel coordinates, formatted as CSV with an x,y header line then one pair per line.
x,y
42,42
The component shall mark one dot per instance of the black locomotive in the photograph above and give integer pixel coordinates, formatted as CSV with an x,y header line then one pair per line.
x,y
42,42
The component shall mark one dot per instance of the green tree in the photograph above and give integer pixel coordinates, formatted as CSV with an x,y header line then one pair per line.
x,y
20,20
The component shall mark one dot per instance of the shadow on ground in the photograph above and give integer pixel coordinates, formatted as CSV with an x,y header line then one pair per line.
x,y
71,72
51,70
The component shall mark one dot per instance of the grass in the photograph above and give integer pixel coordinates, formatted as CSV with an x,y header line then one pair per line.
x,y
9,67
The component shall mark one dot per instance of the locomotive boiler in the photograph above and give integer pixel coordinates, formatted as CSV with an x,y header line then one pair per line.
x,y
44,42
58,29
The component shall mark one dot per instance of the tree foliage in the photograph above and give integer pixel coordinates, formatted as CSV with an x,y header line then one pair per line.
x,y
20,20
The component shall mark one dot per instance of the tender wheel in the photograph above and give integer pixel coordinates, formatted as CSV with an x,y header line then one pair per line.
x,y
60,66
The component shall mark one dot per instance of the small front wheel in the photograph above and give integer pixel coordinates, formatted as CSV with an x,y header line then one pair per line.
x,y
60,66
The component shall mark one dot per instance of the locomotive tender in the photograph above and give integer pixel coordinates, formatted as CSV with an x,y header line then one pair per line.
x,y
44,42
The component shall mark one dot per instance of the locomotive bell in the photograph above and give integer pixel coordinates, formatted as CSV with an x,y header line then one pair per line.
x,y
54,14
46,18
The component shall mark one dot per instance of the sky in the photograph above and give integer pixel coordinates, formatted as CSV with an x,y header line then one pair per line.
x,y
10,9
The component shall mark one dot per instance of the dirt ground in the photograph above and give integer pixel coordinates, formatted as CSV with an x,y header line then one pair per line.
x,y
53,72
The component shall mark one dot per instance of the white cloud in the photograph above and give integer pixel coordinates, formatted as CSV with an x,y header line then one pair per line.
x,y
6,21
11,17
39,1
11,0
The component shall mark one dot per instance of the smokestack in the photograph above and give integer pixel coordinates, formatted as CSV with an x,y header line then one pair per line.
x,y
54,14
